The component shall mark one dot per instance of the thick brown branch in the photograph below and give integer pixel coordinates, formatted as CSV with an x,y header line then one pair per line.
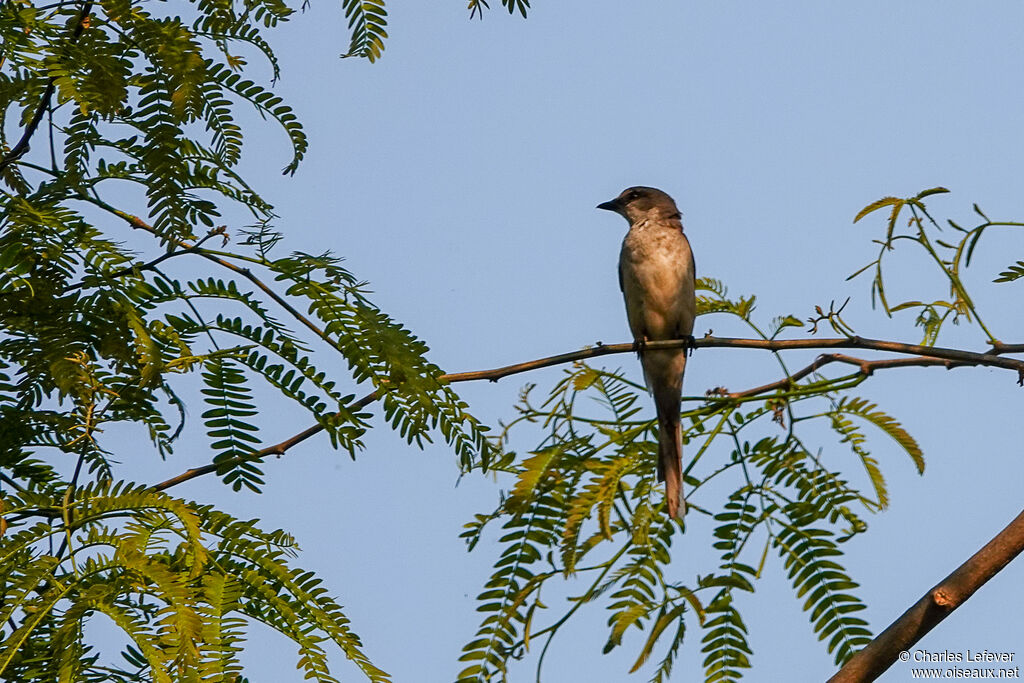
x,y
21,148
934,606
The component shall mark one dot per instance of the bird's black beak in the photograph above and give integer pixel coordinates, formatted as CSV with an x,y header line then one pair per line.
x,y
613,205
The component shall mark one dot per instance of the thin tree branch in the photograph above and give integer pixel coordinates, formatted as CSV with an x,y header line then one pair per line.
x,y
867,367
1000,347
277,449
937,356
21,148
139,267
932,354
140,224
12,483
934,606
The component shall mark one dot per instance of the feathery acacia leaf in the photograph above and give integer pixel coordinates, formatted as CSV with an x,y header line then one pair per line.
x,y
871,413
1013,272
587,490
144,107
367,20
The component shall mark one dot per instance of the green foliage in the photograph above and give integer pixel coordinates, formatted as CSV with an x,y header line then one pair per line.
x,y
367,20
725,642
112,99
182,581
234,438
1013,272
587,496
477,7
950,257
131,112
584,503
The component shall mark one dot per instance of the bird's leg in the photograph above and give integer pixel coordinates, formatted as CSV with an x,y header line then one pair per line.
x,y
690,343
639,344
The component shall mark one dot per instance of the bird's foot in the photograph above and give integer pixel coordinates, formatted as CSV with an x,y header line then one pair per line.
x,y
639,344
689,344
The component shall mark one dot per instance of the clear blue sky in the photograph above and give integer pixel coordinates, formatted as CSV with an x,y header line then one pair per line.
x,y
459,175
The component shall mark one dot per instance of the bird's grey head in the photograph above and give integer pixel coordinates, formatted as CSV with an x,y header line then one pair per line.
x,y
637,203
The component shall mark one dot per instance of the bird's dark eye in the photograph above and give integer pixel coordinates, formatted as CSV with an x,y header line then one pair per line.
x,y
633,194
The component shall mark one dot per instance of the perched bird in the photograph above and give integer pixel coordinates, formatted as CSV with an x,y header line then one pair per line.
x,y
656,275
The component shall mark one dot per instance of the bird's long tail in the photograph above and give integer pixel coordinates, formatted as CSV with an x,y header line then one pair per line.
x,y
664,371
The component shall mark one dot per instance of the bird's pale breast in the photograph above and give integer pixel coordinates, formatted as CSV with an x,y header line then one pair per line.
x,y
658,280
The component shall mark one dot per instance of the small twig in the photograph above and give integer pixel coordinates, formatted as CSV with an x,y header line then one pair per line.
x,y
150,265
834,318
49,126
934,606
65,508
21,148
12,483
